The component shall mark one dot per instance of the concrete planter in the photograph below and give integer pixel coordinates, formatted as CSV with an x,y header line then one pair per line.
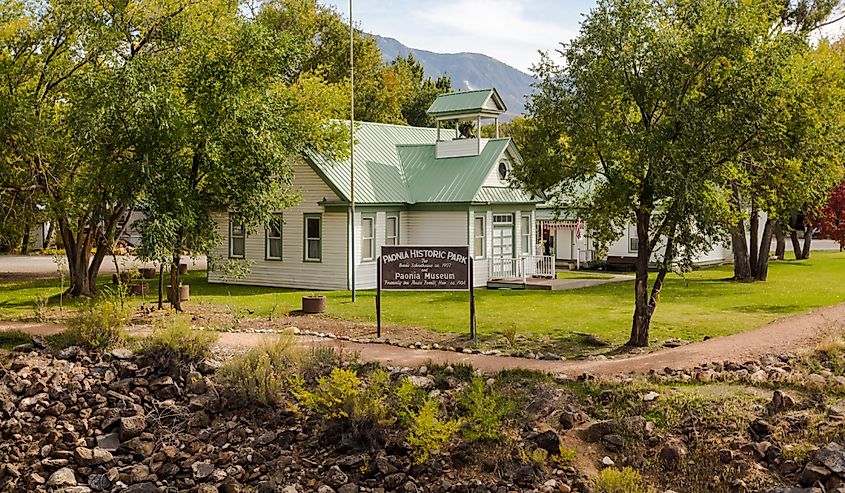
x,y
313,304
148,273
184,292
139,289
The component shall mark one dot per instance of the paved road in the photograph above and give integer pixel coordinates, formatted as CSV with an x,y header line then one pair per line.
x,y
43,266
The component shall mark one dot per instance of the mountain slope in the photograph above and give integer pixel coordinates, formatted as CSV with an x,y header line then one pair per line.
x,y
468,71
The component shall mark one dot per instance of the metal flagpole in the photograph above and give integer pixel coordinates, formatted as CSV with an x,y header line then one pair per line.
x,y
352,141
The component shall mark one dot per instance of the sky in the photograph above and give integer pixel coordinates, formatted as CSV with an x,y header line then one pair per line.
x,y
509,30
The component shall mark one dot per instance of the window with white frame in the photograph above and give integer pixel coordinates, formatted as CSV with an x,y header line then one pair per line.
x,y
313,237
391,230
478,233
525,235
633,240
274,238
237,239
368,243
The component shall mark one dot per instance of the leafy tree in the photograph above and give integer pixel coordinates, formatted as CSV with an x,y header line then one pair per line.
x,y
324,37
55,58
396,92
653,109
420,91
224,135
794,154
831,217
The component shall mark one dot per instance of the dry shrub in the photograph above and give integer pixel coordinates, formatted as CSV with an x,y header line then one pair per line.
x,y
261,374
174,342
98,325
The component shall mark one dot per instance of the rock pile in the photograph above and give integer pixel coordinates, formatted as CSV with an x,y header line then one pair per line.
x,y
87,422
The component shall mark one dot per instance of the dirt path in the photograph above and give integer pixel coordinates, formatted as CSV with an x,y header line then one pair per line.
x,y
790,334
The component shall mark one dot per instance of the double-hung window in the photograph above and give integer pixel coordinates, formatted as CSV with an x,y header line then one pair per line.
x,y
237,239
525,235
391,230
313,238
274,238
368,238
479,237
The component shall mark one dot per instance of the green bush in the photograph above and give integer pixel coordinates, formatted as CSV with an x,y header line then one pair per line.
x,y
342,395
484,411
356,411
175,342
262,373
99,324
409,400
428,433
625,480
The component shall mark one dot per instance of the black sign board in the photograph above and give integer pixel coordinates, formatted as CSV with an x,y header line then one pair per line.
x,y
412,268
425,268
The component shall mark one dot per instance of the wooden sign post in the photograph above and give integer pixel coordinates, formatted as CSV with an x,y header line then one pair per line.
x,y
425,268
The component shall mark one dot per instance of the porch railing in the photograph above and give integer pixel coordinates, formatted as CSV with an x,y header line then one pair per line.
x,y
522,267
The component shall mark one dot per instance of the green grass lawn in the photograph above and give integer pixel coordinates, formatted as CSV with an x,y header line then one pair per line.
x,y
703,304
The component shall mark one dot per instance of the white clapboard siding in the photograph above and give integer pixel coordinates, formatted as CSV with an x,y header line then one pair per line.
x,y
292,271
459,148
439,228
492,179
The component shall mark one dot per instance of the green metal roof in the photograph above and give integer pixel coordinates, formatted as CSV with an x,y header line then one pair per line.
x,y
466,102
506,195
456,179
396,164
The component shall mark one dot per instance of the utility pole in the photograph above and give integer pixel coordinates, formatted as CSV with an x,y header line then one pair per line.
x,y
352,141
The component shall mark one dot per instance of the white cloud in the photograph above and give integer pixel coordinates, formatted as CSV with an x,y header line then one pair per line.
x,y
509,30
501,28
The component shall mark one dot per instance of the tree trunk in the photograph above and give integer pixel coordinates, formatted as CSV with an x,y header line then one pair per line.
x,y
739,245
175,300
668,255
780,246
796,245
96,263
754,225
808,240
765,246
78,253
161,286
46,240
25,240
642,315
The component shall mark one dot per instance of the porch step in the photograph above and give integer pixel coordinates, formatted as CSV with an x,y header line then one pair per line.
x,y
518,284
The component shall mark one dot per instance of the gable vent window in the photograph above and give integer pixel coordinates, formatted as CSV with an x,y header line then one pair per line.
x,y
504,171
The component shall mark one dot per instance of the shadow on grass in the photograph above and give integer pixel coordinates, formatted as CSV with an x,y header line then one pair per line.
x,y
769,308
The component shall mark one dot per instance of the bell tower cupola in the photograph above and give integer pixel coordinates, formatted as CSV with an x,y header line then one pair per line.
x,y
464,111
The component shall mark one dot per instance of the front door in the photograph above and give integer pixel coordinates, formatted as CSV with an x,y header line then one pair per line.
x,y
504,263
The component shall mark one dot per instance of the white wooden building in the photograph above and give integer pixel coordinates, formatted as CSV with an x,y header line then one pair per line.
x,y
413,186
564,236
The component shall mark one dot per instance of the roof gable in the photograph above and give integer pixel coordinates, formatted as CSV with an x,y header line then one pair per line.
x,y
482,101
397,165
